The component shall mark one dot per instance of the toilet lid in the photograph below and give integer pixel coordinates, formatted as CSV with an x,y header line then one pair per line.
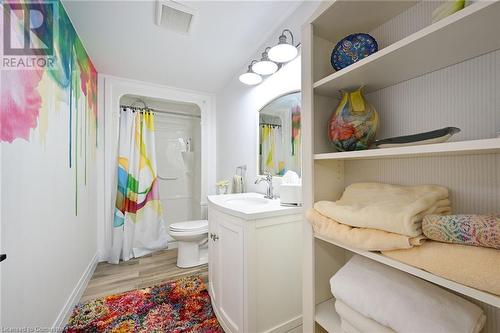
x,y
189,225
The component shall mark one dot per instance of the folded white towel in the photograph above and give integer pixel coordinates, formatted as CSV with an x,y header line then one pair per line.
x,y
237,184
403,302
357,321
393,208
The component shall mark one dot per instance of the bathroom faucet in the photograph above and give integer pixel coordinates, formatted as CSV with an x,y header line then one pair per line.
x,y
269,180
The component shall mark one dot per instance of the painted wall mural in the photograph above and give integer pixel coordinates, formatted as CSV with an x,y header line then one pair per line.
x,y
66,82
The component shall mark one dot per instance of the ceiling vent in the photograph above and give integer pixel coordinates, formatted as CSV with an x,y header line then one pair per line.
x,y
175,16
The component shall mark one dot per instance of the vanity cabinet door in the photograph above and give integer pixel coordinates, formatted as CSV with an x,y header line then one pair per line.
x,y
230,298
213,257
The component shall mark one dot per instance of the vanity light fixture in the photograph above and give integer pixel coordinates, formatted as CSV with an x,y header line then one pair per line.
x,y
283,52
265,66
250,77
273,58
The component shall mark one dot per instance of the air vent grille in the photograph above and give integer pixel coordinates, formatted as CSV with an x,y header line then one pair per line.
x,y
175,16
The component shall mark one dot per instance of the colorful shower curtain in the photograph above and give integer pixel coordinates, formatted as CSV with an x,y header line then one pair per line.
x,y
295,130
296,156
272,159
138,226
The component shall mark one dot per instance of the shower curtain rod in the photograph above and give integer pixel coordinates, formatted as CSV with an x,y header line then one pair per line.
x,y
268,124
160,111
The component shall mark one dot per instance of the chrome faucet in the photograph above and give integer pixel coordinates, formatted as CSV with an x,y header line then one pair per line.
x,y
269,180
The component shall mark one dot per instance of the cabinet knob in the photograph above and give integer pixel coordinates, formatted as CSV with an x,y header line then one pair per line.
x,y
216,237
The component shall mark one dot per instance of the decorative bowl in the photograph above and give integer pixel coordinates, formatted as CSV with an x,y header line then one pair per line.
x,y
351,49
436,136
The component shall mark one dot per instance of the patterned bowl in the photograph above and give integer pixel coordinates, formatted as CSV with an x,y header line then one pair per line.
x,y
351,49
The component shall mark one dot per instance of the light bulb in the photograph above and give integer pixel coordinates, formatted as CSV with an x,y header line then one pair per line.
x,y
282,53
265,67
250,78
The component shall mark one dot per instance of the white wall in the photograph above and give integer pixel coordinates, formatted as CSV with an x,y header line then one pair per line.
x,y
48,247
238,106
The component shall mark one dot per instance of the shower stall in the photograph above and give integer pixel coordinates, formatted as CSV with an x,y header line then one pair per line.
x,y
178,156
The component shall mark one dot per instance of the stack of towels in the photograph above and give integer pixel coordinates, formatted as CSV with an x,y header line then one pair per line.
x,y
371,297
379,217
463,248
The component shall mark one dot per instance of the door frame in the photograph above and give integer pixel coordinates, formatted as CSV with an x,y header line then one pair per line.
x,y
112,89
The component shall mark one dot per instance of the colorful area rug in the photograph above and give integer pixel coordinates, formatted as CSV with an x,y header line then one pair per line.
x,y
175,306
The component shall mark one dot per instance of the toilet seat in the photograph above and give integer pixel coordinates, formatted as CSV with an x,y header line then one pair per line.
x,y
197,226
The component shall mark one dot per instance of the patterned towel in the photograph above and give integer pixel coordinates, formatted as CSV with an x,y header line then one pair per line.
x,y
477,230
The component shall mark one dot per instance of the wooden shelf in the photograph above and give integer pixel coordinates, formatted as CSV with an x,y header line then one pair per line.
x,y
327,317
471,32
460,288
483,146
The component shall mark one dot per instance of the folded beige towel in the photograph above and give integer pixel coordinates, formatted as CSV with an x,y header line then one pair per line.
x,y
476,267
355,321
360,238
393,208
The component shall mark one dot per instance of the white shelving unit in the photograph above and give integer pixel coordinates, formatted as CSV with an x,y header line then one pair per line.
x,y
484,146
464,44
434,47
460,288
324,316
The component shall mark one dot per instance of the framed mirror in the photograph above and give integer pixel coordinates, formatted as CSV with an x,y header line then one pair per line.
x,y
279,135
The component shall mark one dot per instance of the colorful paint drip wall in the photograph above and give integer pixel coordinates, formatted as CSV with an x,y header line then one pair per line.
x,y
70,85
49,153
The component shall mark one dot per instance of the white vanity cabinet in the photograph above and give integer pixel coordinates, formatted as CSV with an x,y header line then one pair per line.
x,y
255,268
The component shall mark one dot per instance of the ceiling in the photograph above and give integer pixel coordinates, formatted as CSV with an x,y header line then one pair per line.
x,y
123,39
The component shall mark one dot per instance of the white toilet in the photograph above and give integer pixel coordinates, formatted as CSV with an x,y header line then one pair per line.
x,y
192,238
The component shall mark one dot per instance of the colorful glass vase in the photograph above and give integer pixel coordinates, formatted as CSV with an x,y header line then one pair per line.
x,y
354,123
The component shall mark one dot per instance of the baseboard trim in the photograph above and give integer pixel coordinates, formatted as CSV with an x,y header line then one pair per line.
x,y
102,256
172,245
76,294
286,326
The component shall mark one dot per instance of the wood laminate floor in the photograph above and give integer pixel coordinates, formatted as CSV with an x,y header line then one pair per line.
x,y
138,273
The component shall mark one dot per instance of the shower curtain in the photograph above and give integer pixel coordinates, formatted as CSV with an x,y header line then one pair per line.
x,y
272,159
138,226
296,156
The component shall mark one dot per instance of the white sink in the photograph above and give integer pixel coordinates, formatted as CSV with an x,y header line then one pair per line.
x,y
251,201
250,205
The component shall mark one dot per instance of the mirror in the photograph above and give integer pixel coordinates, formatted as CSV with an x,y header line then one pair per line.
x,y
279,135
